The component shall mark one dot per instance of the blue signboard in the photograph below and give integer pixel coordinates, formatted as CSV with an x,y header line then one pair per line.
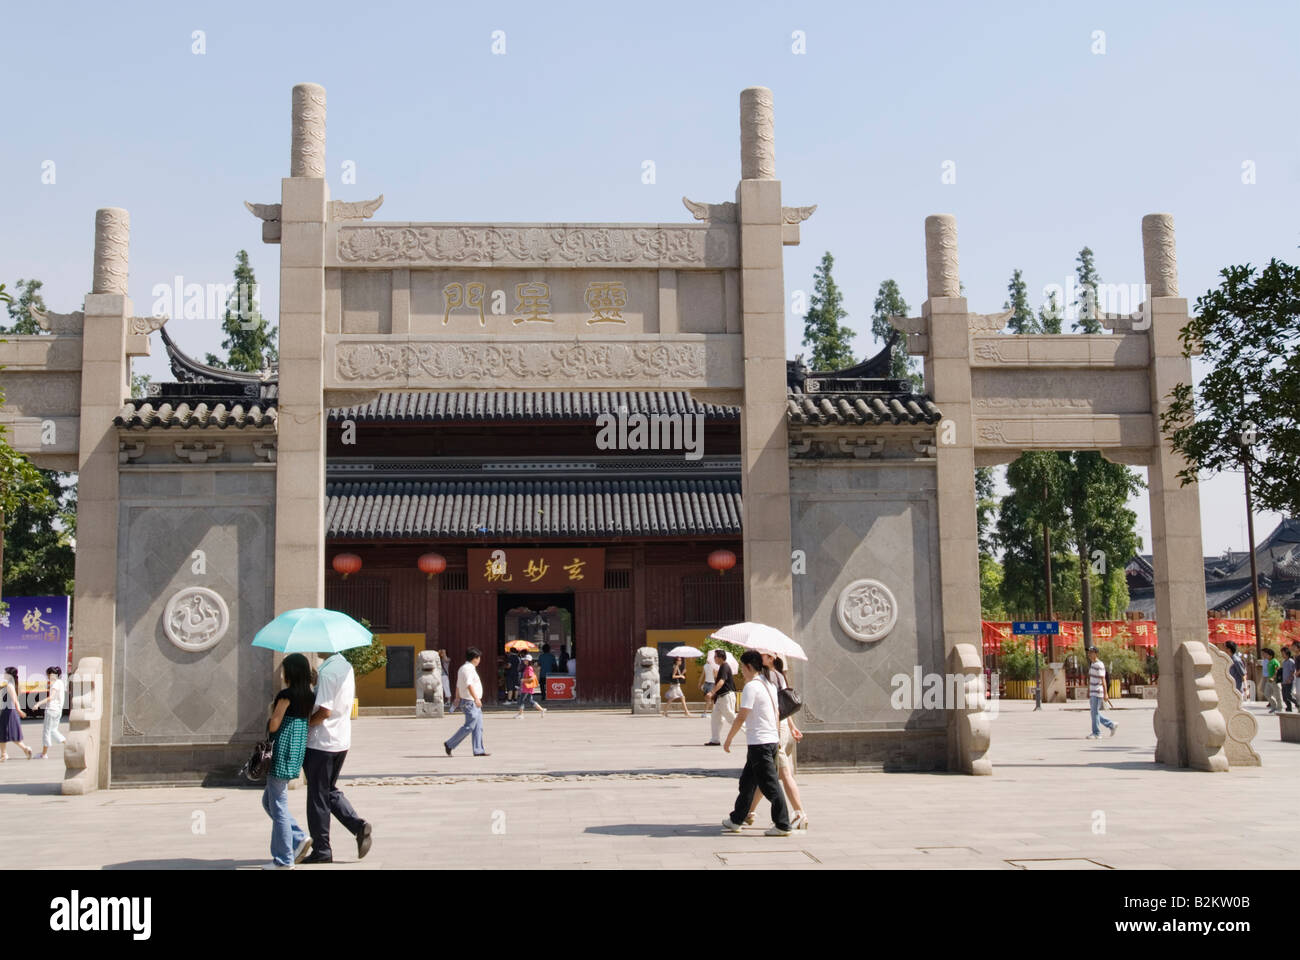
x,y
1036,627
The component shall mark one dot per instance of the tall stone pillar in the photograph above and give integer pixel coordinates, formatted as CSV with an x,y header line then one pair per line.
x,y
105,384
765,481
1175,509
948,380
300,455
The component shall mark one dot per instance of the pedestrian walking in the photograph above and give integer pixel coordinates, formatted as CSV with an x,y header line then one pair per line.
x,y
759,716
708,682
328,741
514,671
1097,696
529,685
446,679
53,706
546,666
675,691
291,712
721,696
1288,675
1272,674
1238,669
790,734
469,691
11,728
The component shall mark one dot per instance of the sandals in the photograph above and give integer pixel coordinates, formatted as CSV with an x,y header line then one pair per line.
x,y
800,821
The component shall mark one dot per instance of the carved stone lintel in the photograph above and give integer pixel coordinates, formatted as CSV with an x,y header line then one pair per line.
x,y
757,136
861,447
129,450
712,212
307,148
538,246
910,325
412,364
265,450
941,276
74,322
984,323
198,451
145,325
112,239
355,210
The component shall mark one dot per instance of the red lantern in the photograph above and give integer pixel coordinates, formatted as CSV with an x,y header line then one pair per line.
x,y
722,561
346,563
432,564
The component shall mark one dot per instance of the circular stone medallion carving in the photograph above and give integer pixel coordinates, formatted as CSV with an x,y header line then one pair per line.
x,y
867,610
196,619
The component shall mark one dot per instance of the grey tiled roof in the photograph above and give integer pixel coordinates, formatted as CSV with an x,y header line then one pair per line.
x,y
562,406
526,508
144,414
841,409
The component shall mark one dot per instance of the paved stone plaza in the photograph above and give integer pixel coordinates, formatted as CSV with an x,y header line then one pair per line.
x,y
603,789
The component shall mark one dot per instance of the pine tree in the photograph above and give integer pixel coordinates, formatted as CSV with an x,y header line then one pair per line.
x,y
250,343
890,303
822,330
20,310
1087,319
1050,315
1022,319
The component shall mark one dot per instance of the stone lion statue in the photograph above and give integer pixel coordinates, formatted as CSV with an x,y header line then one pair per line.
x,y
428,684
645,682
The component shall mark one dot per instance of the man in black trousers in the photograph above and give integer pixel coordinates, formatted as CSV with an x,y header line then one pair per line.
x,y
328,741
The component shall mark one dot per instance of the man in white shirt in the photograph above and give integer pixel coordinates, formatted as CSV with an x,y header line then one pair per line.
x,y
1097,695
759,716
469,690
710,677
328,738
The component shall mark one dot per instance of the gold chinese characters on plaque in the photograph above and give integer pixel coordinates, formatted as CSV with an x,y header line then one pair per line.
x,y
603,301
536,569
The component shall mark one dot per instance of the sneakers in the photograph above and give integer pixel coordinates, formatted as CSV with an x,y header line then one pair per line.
x,y
775,831
1113,728
1093,736
318,857
277,866
363,840
728,826
304,848
713,743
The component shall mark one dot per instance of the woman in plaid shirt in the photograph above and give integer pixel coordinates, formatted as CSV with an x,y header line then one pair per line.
x,y
290,711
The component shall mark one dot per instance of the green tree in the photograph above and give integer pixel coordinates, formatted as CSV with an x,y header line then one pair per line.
x,y
20,310
250,342
991,605
1036,484
822,329
1246,409
38,554
140,385
1050,315
890,303
1022,320
1085,271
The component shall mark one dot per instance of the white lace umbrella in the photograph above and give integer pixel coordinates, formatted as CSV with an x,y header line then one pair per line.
x,y
761,637
685,651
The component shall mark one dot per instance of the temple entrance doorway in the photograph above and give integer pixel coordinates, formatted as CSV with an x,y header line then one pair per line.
x,y
539,620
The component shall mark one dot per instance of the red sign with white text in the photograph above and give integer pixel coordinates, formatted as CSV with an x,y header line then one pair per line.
x,y
561,688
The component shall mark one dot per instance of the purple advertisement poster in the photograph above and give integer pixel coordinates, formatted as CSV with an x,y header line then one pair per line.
x,y
33,638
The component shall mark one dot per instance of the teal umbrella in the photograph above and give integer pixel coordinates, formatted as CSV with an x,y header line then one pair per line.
x,y
312,630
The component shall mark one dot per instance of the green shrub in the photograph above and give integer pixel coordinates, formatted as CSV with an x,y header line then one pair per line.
x,y
367,659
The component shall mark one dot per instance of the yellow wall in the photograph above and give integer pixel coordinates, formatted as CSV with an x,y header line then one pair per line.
x,y
370,688
694,670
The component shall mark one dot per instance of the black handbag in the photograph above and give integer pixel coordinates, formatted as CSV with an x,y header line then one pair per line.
x,y
258,764
789,702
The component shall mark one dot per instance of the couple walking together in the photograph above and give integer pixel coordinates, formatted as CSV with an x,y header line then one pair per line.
x,y
312,731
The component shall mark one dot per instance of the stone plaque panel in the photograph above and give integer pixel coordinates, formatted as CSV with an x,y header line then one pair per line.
x,y
1048,394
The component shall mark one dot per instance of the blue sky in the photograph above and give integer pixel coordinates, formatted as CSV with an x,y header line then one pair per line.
x,y
1055,146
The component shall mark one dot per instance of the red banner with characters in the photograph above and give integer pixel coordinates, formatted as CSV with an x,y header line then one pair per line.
x,y
1141,633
